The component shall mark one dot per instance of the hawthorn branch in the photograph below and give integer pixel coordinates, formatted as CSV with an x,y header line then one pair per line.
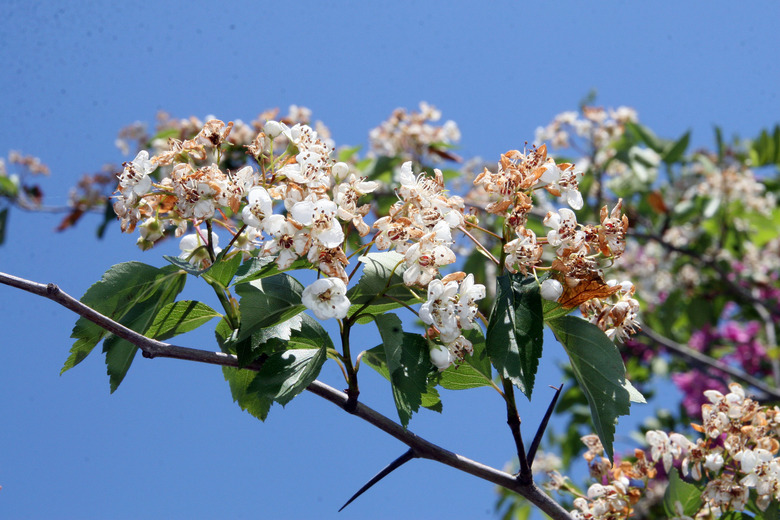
x,y
422,448
703,359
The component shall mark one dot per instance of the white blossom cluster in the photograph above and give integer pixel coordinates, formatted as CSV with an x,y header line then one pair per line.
x,y
413,135
737,454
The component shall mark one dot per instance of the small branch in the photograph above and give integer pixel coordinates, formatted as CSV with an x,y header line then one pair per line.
x,y
698,357
422,448
513,420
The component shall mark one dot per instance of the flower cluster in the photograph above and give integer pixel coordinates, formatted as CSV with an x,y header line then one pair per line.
x,y
737,454
414,136
299,202
449,310
618,486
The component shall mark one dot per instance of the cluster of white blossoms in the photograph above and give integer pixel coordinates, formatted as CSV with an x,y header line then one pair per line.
x,y
450,309
414,136
299,203
595,128
737,454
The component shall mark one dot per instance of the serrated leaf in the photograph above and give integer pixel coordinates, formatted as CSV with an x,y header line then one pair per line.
x,y
392,333
268,301
286,374
223,270
552,310
676,152
119,289
476,370
680,492
185,265
515,330
600,372
180,317
263,267
253,403
409,380
119,352
266,340
382,276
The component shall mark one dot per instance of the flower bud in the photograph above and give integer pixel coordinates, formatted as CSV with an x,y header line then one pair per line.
x,y
340,170
551,290
441,357
272,129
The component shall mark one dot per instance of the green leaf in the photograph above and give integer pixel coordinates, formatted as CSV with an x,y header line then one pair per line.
x,y
180,317
119,352
265,340
268,301
392,333
552,310
253,403
475,372
647,136
515,330
185,265
114,295
286,374
409,380
688,496
600,372
256,268
382,277
676,152
223,270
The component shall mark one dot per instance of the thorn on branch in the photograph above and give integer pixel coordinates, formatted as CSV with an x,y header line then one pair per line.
x,y
543,426
397,463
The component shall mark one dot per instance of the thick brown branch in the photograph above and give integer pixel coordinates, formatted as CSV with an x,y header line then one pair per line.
x,y
424,449
703,359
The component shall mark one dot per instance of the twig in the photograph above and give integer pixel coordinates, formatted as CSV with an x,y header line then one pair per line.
x,y
704,359
422,448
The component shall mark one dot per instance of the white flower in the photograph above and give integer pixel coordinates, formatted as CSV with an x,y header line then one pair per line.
x,y
564,232
440,309
321,216
193,249
441,357
327,298
260,206
135,176
552,289
468,295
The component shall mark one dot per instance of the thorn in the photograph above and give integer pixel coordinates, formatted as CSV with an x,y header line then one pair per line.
x,y
397,463
543,426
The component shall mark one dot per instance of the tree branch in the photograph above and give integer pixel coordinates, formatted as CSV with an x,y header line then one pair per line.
x,y
703,359
422,448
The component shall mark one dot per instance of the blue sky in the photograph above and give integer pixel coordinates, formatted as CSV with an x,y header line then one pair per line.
x,y
170,443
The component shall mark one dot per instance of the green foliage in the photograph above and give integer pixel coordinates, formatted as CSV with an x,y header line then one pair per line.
x,y
133,294
290,354
268,301
680,492
180,317
404,357
600,372
515,329
381,287
475,372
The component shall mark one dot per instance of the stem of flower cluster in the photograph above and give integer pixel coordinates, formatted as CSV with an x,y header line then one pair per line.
x,y
353,391
513,420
